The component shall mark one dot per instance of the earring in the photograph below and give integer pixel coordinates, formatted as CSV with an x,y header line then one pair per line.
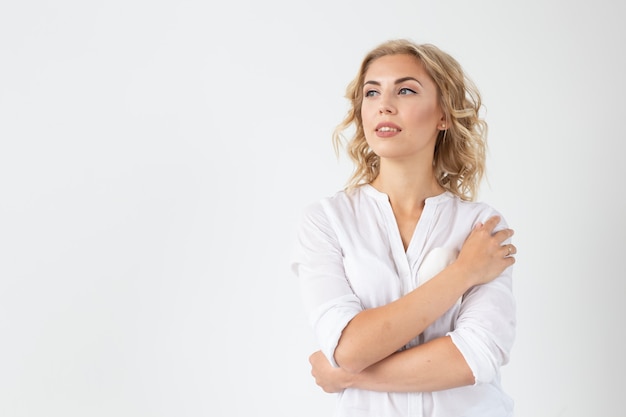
x,y
443,125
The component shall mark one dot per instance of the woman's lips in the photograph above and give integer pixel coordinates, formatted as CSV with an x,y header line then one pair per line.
x,y
387,130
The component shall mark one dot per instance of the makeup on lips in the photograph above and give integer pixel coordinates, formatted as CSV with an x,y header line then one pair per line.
x,y
387,130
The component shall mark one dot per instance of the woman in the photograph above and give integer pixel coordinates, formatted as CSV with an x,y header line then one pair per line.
x,y
406,280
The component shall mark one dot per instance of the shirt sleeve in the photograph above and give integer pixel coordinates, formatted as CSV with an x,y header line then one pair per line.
x,y
328,299
485,327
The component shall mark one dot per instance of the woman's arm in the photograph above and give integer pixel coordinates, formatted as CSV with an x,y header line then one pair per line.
x,y
483,335
432,366
377,333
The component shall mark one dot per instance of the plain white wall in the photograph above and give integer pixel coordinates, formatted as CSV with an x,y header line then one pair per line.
x,y
155,156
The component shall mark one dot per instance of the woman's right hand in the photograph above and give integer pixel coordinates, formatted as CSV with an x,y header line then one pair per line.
x,y
330,379
484,256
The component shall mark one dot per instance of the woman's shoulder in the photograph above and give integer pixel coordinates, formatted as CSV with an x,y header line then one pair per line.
x,y
342,204
478,210
340,200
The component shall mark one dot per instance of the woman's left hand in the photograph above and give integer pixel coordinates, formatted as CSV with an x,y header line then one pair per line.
x,y
329,378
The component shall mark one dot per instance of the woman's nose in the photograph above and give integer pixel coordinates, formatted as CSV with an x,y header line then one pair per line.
x,y
386,106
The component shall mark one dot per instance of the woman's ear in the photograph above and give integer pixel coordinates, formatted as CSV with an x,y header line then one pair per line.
x,y
442,125
443,122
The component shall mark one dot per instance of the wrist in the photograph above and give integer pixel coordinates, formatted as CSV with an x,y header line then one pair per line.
x,y
350,380
466,277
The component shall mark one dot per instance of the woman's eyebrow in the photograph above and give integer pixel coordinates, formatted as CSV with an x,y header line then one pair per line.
x,y
403,79
398,81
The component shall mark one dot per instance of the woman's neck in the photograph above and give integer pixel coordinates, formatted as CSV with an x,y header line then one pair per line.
x,y
408,187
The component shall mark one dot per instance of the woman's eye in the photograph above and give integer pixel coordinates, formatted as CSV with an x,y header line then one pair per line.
x,y
371,93
406,91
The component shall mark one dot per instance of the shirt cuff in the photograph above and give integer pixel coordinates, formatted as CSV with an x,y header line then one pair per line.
x,y
478,357
329,320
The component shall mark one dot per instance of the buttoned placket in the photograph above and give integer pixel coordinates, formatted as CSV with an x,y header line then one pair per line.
x,y
404,261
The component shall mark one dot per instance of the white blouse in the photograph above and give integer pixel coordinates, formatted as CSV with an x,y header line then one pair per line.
x,y
350,257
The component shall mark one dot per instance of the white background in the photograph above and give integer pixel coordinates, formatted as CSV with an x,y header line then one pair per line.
x,y
155,156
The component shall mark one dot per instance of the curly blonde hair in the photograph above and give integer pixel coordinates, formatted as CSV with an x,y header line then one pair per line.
x,y
459,157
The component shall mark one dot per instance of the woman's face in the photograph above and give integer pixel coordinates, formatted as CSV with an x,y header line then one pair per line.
x,y
400,111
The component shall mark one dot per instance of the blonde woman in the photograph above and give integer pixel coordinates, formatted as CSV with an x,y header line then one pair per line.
x,y
407,280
